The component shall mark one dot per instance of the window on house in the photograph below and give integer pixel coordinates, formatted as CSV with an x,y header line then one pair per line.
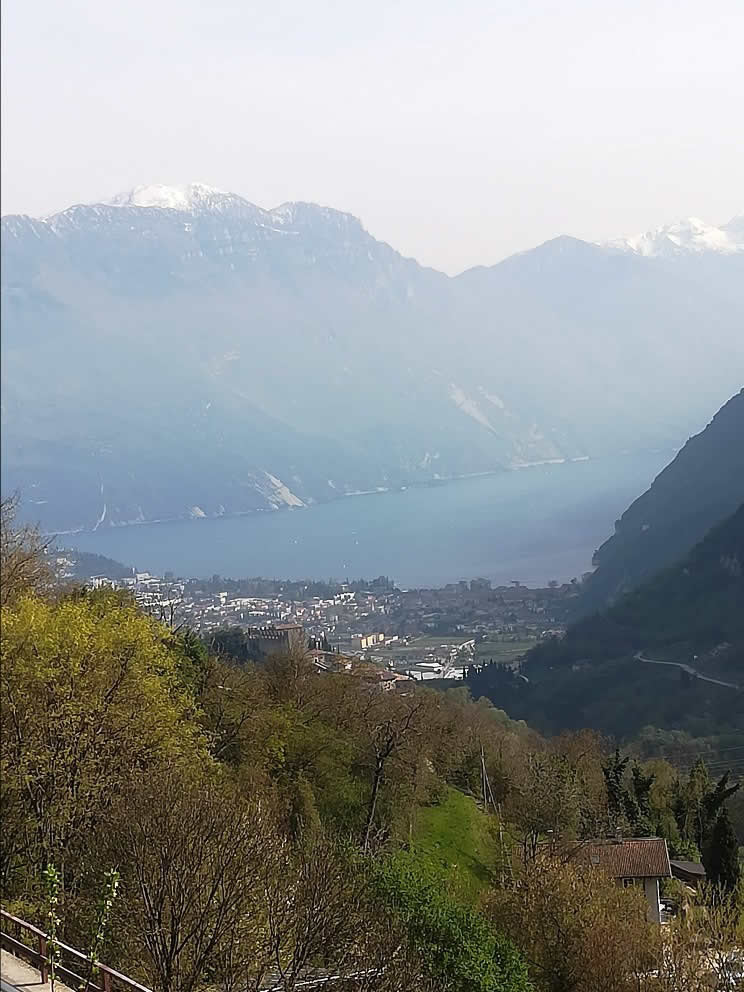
x,y
628,883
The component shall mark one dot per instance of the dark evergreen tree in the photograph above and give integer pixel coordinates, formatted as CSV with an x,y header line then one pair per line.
x,y
642,789
714,799
617,806
638,802
721,854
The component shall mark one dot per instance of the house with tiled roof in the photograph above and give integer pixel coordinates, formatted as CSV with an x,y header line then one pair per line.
x,y
630,861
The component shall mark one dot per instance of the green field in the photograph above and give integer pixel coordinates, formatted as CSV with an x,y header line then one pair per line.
x,y
503,651
456,837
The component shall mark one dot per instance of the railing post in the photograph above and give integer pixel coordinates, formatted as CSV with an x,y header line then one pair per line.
x,y
108,984
43,963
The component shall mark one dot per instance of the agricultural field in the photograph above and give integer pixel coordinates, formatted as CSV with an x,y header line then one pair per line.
x,y
503,650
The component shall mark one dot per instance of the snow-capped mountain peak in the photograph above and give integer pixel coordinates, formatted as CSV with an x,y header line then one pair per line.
x,y
691,236
191,196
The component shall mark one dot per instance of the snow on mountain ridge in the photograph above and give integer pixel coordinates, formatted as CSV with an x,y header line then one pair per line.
x,y
688,237
187,197
198,198
691,236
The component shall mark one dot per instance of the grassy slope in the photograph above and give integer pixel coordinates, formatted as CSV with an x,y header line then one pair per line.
x,y
455,837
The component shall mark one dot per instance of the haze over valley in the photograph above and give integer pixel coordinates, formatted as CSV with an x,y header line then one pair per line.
x,y
372,511
180,352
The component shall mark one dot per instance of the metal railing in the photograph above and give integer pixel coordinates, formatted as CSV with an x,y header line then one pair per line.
x,y
67,958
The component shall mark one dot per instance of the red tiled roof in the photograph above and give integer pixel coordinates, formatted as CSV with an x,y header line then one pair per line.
x,y
632,857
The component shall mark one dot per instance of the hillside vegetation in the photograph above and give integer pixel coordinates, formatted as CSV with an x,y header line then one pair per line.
x,y
697,601
691,613
205,825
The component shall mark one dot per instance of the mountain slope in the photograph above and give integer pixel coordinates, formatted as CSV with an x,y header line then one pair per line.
x,y
181,351
696,602
700,487
688,616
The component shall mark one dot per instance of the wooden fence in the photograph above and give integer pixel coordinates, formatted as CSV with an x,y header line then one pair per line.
x,y
71,965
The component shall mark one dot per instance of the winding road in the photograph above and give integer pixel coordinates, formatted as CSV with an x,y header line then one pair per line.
x,y
686,668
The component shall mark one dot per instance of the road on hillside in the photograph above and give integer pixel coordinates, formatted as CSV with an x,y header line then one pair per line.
x,y
639,656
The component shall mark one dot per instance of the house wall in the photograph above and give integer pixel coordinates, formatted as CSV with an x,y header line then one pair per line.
x,y
651,888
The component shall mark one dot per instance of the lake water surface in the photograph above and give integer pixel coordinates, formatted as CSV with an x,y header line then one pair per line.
x,y
533,525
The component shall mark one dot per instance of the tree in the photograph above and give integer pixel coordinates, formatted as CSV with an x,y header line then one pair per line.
x,y
24,566
642,783
714,800
192,851
393,725
312,900
90,691
577,930
721,854
547,802
614,773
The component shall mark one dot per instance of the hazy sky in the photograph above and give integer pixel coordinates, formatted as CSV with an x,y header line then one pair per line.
x,y
458,130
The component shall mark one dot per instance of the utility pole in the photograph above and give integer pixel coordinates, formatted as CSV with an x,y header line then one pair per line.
x,y
488,797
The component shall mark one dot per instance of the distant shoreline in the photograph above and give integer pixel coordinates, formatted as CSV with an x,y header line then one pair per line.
x,y
342,496
378,491
337,498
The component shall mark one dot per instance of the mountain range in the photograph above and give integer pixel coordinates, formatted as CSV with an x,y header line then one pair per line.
x,y
179,351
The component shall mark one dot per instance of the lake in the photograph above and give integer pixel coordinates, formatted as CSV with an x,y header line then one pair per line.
x,y
532,525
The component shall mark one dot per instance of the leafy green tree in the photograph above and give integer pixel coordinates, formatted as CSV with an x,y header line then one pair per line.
x,y
714,800
90,691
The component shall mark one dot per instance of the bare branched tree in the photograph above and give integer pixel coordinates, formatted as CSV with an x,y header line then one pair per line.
x,y
24,566
392,727
194,851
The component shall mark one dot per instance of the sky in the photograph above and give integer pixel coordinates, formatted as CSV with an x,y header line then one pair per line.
x,y
459,132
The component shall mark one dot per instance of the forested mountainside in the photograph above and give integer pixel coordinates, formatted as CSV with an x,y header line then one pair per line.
x,y
699,488
604,672
203,356
698,602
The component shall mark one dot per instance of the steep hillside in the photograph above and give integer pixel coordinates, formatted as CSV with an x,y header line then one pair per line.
x,y
182,352
605,672
703,485
698,602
